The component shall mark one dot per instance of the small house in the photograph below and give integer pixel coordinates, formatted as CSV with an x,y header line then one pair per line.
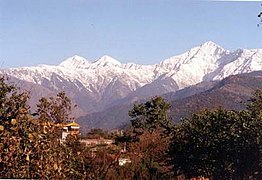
x,y
70,128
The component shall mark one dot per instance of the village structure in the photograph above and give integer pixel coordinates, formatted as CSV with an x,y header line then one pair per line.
x,y
73,129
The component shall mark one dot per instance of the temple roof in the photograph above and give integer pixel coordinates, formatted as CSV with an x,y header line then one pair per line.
x,y
72,124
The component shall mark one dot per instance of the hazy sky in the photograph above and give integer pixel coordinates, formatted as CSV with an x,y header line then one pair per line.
x,y
141,31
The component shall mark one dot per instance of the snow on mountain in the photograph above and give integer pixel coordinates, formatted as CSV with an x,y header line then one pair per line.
x,y
245,61
190,68
75,62
106,61
106,80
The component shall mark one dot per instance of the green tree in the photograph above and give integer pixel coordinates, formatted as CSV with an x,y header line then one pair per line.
x,y
255,105
151,126
150,116
219,144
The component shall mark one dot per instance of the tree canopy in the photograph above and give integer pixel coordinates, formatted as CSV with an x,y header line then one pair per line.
x,y
220,144
55,109
150,115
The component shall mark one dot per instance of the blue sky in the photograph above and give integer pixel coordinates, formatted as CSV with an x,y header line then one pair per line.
x,y
141,31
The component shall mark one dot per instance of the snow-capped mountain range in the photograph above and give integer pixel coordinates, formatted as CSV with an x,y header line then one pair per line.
x,y
96,85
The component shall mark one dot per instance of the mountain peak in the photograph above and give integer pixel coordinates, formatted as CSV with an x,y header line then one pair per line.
x,y
211,48
75,61
106,60
211,45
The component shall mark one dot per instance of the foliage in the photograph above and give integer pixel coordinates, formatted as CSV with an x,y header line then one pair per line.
x,y
150,116
255,105
28,150
152,128
11,100
56,109
29,147
219,144
149,156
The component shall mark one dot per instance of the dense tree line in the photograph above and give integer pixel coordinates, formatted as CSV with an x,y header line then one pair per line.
x,y
218,144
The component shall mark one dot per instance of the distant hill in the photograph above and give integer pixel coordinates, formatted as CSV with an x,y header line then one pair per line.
x,y
230,93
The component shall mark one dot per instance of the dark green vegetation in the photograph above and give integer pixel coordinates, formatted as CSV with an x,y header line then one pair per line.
x,y
217,143
150,115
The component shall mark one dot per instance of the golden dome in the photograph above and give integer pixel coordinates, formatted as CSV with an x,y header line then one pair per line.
x,y
74,124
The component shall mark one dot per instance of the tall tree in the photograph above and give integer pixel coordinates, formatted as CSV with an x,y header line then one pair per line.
x,y
151,126
55,109
150,115
12,100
